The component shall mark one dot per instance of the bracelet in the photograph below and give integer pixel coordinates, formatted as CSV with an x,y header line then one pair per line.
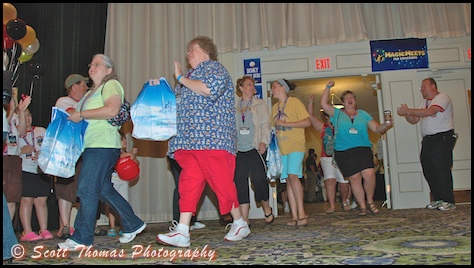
x,y
179,78
81,116
328,86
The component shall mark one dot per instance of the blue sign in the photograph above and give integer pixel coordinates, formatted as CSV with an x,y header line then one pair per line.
x,y
398,54
258,95
252,68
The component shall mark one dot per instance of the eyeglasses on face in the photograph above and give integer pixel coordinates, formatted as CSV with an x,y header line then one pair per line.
x,y
90,65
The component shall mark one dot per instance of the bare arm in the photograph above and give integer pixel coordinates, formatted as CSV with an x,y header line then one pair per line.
x,y
194,85
414,115
327,108
302,123
379,128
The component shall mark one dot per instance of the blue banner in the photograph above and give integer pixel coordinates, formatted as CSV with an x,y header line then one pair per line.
x,y
399,54
252,68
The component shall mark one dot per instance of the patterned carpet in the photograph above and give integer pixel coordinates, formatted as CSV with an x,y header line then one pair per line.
x,y
394,237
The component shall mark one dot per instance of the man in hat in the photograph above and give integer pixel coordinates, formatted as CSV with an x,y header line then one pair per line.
x,y
66,188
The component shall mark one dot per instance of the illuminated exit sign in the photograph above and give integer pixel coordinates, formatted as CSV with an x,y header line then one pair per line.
x,y
322,64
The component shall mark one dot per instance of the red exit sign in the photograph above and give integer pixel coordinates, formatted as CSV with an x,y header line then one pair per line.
x,y
322,64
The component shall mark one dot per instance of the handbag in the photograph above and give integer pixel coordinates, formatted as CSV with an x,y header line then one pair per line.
x,y
62,145
154,112
274,164
123,116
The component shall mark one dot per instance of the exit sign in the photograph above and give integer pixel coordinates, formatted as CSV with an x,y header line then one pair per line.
x,y
322,64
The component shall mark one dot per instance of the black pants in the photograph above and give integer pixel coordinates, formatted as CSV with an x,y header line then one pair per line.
x,y
437,160
176,171
251,164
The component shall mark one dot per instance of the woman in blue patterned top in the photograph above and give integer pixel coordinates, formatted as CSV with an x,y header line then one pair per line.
x,y
205,145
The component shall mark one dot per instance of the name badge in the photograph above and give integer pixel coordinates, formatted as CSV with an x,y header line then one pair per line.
x,y
352,130
244,131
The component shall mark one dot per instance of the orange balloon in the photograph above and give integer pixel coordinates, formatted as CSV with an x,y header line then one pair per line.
x,y
29,37
9,12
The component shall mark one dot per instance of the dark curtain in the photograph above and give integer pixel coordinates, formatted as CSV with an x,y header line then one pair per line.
x,y
69,35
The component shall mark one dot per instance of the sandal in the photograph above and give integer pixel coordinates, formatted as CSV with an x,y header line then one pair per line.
x,y
268,217
330,211
373,209
363,212
292,223
304,220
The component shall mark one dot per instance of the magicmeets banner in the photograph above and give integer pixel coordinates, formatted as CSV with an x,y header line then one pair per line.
x,y
399,54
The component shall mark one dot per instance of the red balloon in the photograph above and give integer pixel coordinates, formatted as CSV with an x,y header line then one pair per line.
x,y
127,169
7,40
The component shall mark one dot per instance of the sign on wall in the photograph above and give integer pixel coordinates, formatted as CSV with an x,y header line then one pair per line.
x,y
252,68
399,54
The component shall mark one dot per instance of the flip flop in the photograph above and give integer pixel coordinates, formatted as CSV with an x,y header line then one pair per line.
x,y
268,216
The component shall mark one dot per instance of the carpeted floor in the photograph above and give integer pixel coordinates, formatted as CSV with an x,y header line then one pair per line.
x,y
398,237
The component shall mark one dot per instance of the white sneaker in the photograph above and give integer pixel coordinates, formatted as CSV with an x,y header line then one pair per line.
x,y
446,206
434,205
128,237
354,204
237,232
175,237
70,245
287,208
197,225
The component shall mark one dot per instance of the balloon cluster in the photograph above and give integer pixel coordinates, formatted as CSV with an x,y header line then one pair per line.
x,y
19,45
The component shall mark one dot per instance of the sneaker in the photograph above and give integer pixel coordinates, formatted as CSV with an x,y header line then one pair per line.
x,y
287,208
128,237
197,225
46,234
70,245
175,237
31,236
446,206
434,204
111,232
237,232
354,204
64,233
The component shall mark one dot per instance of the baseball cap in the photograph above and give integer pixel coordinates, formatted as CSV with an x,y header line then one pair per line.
x,y
74,78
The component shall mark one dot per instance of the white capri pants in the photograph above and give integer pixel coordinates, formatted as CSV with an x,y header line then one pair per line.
x,y
330,172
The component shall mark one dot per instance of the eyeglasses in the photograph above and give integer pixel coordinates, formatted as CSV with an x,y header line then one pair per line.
x,y
248,84
191,49
95,65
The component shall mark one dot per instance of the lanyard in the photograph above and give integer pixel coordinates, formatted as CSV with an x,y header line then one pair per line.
x,y
428,102
280,112
32,137
242,111
351,117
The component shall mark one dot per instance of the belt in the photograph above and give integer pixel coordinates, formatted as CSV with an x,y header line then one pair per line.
x,y
449,132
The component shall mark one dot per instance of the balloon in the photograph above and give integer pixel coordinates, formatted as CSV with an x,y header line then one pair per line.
x,y
31,49
36,66
16,29
127,169
7,41
24,57
9,12
29,37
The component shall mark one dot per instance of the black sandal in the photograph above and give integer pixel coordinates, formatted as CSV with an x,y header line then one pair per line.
x,y
373,209
268,216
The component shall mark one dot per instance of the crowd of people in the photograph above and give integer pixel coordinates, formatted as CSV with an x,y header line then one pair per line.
x,y
224,148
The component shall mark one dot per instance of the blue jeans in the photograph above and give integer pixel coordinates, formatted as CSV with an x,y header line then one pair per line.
x,y
9,238
94,184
